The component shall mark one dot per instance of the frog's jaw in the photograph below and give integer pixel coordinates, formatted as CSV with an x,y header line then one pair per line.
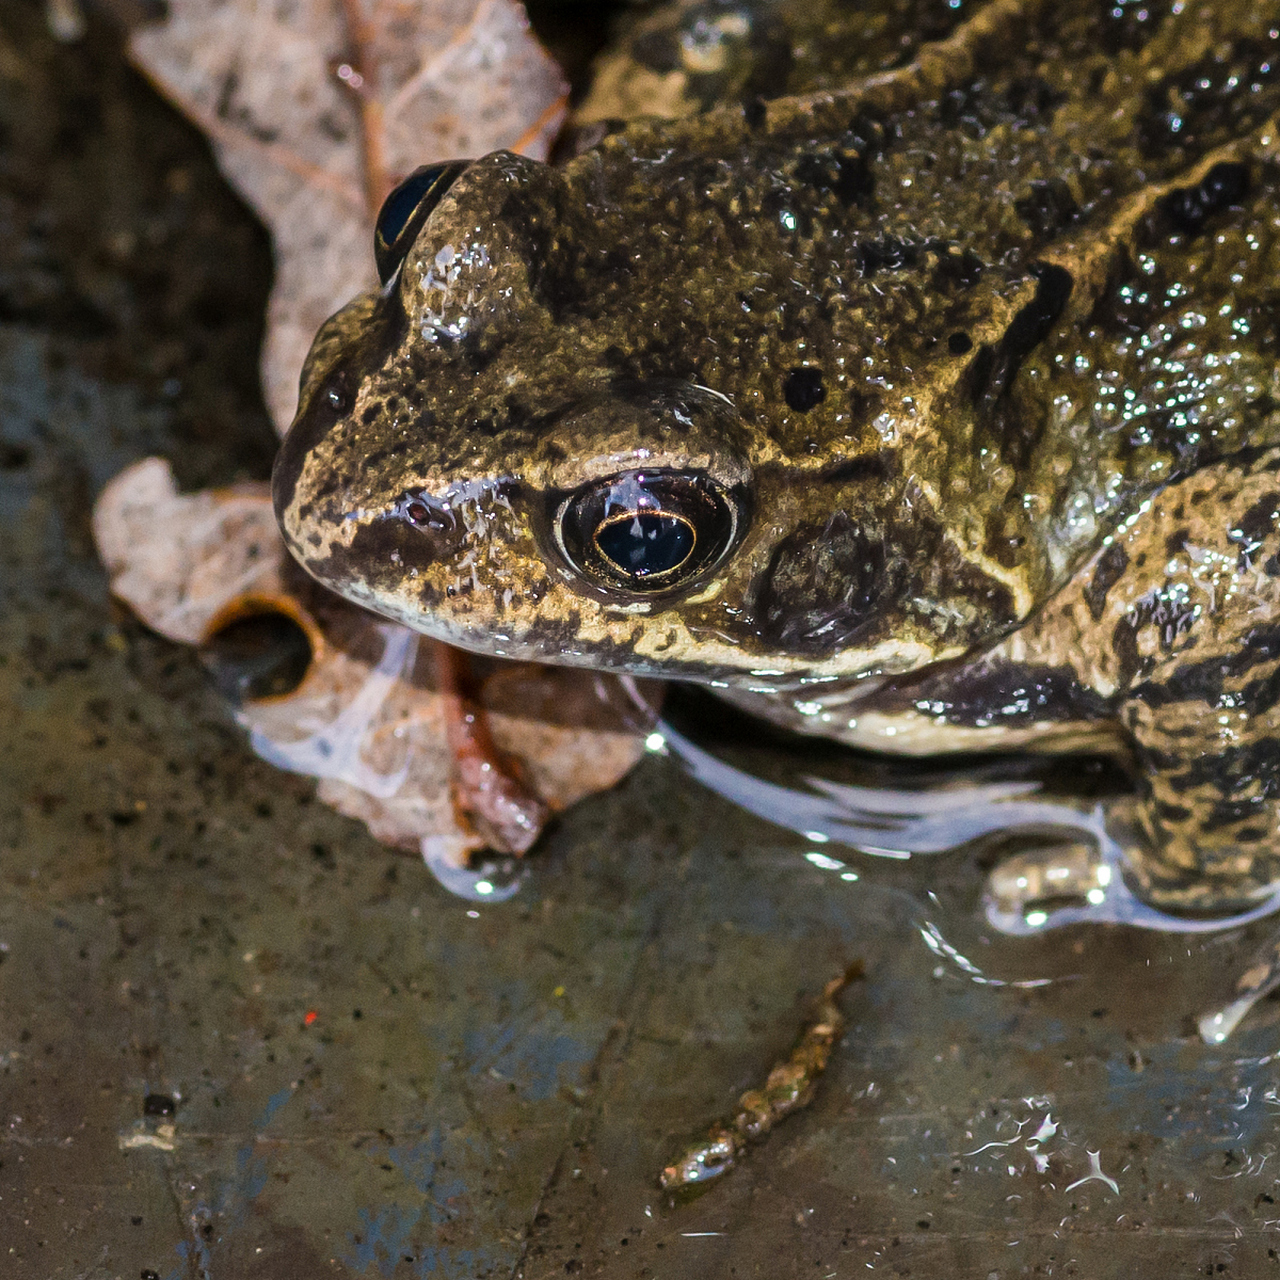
x,y
659,647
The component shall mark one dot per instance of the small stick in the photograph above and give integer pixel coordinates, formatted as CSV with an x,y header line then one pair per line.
x,y
551,116
361,82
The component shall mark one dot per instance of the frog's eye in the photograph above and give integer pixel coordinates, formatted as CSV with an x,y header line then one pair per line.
x,y
405,210
647,531
645,544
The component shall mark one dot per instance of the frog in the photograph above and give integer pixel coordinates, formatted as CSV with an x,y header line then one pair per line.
x,y
908,376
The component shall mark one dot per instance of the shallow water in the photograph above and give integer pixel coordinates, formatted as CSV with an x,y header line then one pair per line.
x,y
240,1039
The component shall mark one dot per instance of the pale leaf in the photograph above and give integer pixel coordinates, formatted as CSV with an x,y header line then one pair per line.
x,y
270,83
366,718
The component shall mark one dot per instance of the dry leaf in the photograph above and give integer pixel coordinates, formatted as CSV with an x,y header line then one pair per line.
x,y
315,106
186,564
314,109
366,718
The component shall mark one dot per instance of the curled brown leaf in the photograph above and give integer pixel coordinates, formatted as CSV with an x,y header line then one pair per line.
x,y
369,717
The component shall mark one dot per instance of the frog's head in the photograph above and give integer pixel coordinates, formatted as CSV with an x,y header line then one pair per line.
x,y
528,444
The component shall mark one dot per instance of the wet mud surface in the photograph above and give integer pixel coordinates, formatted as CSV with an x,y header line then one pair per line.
x,y
240,1039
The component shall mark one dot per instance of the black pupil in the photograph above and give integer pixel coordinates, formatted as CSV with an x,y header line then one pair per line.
x,y
645,543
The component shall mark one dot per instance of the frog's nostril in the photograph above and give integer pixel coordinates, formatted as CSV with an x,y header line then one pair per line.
x,y
437,529
430,514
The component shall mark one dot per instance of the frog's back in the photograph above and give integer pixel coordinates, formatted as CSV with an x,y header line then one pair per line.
x,y
678,59
968,311
1027,259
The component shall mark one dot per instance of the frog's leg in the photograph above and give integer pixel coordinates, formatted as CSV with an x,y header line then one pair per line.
x,y
1176,624
1163,649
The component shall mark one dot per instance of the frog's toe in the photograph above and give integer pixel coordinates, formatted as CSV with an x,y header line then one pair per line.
x,y
1023,890
1101,880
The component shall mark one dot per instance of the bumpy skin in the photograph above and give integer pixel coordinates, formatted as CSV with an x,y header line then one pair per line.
x,y
980,347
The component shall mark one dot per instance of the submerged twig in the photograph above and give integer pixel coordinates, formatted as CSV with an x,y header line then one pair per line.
x,y
790,1086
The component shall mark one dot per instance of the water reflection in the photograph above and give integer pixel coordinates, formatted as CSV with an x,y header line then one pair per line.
x,y
1039,831
1052,861
488,881
1067,880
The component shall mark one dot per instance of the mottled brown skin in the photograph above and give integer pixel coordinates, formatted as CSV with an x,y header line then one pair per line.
x,y
981,347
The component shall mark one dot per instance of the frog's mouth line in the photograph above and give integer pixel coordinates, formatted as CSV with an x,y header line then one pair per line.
x,y
654,647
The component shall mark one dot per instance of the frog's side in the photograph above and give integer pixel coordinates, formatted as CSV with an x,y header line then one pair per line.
x,y
961,381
